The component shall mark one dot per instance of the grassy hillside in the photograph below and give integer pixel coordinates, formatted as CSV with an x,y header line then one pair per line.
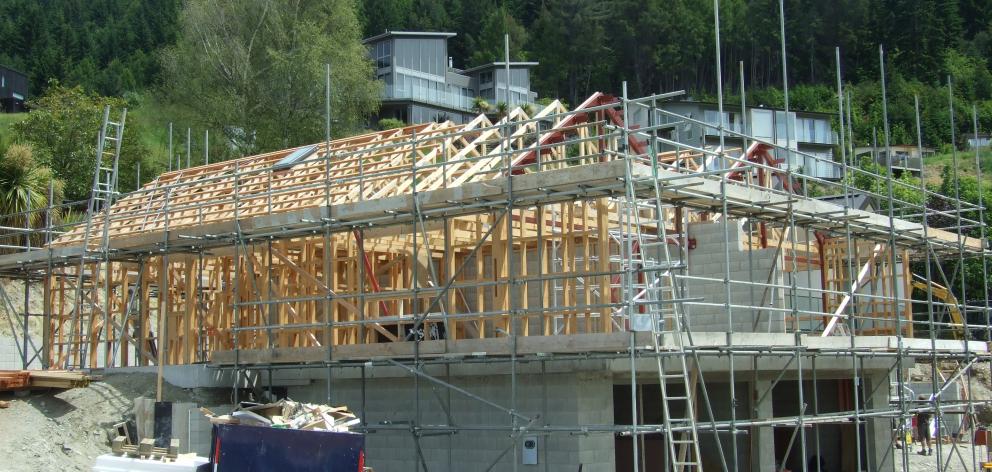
x,y
7,119
142,119
934,166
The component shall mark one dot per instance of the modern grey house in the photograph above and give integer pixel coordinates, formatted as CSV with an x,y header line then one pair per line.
x,y
811,132
422,85
13,90
905,157
979,141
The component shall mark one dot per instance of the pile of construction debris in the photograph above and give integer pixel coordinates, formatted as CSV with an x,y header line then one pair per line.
x,y
288,414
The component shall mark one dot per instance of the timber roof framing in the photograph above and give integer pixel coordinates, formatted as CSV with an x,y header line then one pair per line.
x,y
363,168
443,169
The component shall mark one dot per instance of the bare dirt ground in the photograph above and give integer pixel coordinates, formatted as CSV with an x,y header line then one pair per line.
x,y
14,291
67,430
957,459
960,460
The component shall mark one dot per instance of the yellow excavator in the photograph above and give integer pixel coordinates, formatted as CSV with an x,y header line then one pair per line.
x,y
945,295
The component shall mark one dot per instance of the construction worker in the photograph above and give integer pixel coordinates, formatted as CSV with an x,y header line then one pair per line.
x,y
923,429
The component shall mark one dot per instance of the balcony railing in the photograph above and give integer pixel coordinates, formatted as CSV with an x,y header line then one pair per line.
x,y
429,95
435,96
801,135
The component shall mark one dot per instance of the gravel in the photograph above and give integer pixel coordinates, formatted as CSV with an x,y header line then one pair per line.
x,y
67,430
961,459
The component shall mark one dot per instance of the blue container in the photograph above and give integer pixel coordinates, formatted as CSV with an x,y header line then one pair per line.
x,y
254,448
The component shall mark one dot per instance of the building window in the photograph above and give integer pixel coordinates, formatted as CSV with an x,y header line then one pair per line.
x,y
762,124
383,54
709,116
486,77
731,121
824,133
785,127
813,130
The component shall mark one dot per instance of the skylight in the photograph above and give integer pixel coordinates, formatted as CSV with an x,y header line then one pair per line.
x,y
295,157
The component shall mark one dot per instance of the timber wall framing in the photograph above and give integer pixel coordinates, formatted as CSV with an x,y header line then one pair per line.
x,y
466,232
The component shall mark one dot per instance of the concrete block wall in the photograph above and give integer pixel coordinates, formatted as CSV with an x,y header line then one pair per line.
x,y
557,399
708,259
10,357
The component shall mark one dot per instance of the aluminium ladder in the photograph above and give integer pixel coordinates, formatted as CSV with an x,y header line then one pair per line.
x,y
87,286
656,306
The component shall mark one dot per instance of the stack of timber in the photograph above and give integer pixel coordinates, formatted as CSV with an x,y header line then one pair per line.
x,y
28,379
14,379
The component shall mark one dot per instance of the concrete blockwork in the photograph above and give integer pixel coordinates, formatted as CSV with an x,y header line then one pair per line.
x,y
10,355
558,398
708,259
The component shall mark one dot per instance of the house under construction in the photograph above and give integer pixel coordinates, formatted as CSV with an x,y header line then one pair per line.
x,y
557,291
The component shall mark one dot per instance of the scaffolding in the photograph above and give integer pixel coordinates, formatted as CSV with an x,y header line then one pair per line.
x,y
543,238
552,237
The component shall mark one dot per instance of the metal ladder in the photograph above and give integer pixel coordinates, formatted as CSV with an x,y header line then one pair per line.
x,y
102,196
657,307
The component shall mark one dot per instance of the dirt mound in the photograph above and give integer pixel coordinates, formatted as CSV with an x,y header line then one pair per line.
x,y
67,430
14,292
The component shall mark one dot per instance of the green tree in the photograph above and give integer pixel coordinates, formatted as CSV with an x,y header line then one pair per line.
x,y
867,178
501,109
430,15
102,45
967,188
390,123
256,70
569,40
378,16
24,189
488,45
480,105
62,128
